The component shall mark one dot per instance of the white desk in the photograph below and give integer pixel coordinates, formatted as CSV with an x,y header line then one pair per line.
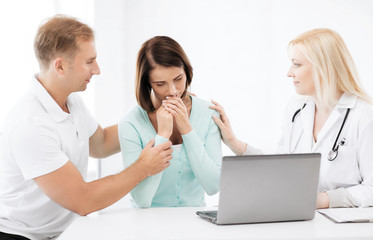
x,y
183,223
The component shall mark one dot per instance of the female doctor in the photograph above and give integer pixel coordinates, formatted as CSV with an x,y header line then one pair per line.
x,y
334,118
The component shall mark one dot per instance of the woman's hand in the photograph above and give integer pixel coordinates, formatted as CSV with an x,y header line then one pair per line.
x,y
179,111
165,122
237,146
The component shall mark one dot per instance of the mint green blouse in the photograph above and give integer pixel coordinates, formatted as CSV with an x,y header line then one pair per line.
x,y
194,168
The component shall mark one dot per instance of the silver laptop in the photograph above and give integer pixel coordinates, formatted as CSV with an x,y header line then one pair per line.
x,y
267,188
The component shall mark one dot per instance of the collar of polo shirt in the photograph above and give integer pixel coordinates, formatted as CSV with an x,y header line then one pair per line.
x,y
50,105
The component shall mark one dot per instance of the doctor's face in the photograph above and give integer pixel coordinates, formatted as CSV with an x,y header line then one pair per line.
x,y
301,72
167,82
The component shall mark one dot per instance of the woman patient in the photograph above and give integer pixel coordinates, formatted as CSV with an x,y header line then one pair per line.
x,y
167,111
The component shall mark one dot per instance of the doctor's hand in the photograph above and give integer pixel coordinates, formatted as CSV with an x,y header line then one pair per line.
x,y
322,200
237,146
179,111
165,122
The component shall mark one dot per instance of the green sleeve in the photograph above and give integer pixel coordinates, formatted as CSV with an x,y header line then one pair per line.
x,y
205,158
131,146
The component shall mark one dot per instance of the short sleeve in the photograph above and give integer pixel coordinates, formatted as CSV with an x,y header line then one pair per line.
x,y
90,122
37,149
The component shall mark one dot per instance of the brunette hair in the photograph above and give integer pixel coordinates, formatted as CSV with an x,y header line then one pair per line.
x,y
163,51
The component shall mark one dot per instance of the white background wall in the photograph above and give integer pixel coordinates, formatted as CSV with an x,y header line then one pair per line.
x,y
238,49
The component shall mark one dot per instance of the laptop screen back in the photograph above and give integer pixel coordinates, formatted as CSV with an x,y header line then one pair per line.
x,y
268,188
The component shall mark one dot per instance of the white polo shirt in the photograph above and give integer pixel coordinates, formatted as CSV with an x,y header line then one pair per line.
x,y
39,138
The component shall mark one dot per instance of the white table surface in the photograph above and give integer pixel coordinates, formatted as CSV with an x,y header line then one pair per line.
x,y
183,223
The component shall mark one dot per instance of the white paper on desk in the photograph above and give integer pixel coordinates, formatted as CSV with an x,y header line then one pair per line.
x,y
348,215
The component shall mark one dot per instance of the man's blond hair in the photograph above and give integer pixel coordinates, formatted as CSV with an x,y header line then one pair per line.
x,y
59,36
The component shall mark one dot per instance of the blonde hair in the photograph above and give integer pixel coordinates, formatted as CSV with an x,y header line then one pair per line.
x,y
333,68
59,35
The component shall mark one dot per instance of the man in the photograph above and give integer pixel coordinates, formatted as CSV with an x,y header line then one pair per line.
x,y
48,136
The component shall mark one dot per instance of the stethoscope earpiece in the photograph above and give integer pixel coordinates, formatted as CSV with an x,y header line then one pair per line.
x,y
298,111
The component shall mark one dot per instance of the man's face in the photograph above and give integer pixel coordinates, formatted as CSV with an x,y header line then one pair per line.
x,y
82,67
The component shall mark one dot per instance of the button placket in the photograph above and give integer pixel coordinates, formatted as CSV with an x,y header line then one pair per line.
x,y
178,185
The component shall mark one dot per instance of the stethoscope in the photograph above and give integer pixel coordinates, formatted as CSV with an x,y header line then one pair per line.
x,y
334,152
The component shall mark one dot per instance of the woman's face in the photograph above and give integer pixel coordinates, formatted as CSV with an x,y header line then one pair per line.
x,y
301,72
167,82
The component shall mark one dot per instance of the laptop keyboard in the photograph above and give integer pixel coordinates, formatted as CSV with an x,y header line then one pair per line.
x,y
211,214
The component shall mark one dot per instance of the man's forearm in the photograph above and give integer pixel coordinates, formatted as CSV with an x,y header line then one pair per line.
x,y
104,192
104,142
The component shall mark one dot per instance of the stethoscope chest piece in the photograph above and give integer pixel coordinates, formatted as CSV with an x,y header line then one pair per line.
x,y
332,155
334,152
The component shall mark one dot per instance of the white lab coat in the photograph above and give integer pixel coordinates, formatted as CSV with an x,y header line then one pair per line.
x,y
348,179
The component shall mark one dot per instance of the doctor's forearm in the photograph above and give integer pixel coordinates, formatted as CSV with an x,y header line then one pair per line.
x,y
355,196
237,146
